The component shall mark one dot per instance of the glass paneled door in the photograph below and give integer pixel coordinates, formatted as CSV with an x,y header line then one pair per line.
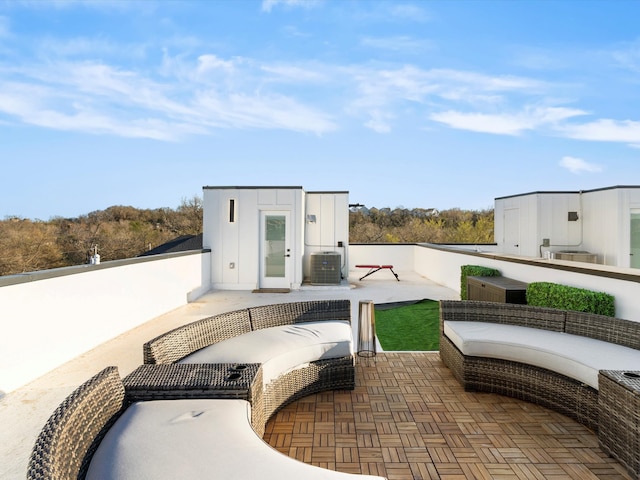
x,y
275,251
635,238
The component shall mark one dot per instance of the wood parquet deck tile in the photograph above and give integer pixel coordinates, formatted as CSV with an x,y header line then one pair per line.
x,y
408,418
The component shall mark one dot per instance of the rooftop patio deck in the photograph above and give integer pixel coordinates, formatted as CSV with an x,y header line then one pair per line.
x,y
407,418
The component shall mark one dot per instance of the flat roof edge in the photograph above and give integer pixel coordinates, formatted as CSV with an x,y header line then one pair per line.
x,y
230,187
556,192
327,191
36,275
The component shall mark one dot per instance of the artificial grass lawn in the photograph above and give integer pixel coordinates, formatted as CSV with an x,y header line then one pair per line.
x,y
414,327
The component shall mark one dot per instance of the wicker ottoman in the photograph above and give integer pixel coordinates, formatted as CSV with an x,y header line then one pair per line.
x,y
218,380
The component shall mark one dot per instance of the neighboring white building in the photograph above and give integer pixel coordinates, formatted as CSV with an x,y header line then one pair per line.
x,y
266,237
604,222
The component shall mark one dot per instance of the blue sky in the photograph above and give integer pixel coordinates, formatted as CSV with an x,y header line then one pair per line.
x,y
417,104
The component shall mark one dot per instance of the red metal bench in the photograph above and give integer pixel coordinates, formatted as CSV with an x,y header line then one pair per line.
x,y
375,268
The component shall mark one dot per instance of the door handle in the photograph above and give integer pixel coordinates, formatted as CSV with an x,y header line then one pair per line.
x,y
287,255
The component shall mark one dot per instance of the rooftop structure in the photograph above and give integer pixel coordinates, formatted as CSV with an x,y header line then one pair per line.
x,y
599,226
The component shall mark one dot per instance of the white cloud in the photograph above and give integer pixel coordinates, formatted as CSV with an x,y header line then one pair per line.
x,y
578,165
204,91
413,83
505,123
485,123
260,111
212,62
379,122
90,47
491,83
409,12
4,26
294,31
118,6
605,130
628,56
538,60
385,90
190,98
293,73
44,107
268,5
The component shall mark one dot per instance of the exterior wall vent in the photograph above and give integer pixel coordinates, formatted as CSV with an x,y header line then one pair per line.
x,y
325,268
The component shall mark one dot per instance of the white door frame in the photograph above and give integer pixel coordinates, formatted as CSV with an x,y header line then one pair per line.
x,y
271,275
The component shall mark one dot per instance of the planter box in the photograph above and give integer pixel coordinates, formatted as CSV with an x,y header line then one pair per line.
x,y
496,289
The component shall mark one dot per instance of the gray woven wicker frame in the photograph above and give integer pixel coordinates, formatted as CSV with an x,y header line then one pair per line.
x,y
619,433
182,341
318,376
70,437
527,382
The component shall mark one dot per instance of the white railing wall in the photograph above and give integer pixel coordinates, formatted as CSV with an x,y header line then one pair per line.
x,y
443,266
48,318
401,256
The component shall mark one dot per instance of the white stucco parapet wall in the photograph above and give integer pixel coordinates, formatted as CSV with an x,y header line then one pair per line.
x,y
52,316
442,265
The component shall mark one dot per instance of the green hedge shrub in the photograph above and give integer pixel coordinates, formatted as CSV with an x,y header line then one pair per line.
x,y
474,271
546,294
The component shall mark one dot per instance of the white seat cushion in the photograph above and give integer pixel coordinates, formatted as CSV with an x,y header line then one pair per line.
x,y
194,439
281,349
571,355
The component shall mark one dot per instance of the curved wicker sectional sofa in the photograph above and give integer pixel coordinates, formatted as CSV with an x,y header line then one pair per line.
x,y
554,358
96,434
320,369
100,432
563,389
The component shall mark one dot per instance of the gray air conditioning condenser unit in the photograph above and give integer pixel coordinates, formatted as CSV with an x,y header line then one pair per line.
x,y
325,268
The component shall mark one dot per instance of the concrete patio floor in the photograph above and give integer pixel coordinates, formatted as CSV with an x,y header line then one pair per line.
x,y
23,412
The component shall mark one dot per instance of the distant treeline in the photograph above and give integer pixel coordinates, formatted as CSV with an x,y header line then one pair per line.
x,y
124,232
118,232
420,225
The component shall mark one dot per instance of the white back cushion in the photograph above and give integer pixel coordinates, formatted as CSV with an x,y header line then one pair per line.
x,y
571,355
280,349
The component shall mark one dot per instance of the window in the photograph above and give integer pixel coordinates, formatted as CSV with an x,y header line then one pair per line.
x,y
232,210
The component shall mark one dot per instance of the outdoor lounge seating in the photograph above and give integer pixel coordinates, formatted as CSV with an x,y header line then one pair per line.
x,y
304,347
551,357
96,434
547,356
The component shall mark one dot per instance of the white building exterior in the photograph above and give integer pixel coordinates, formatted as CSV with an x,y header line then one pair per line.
x,y
263,237
604,222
